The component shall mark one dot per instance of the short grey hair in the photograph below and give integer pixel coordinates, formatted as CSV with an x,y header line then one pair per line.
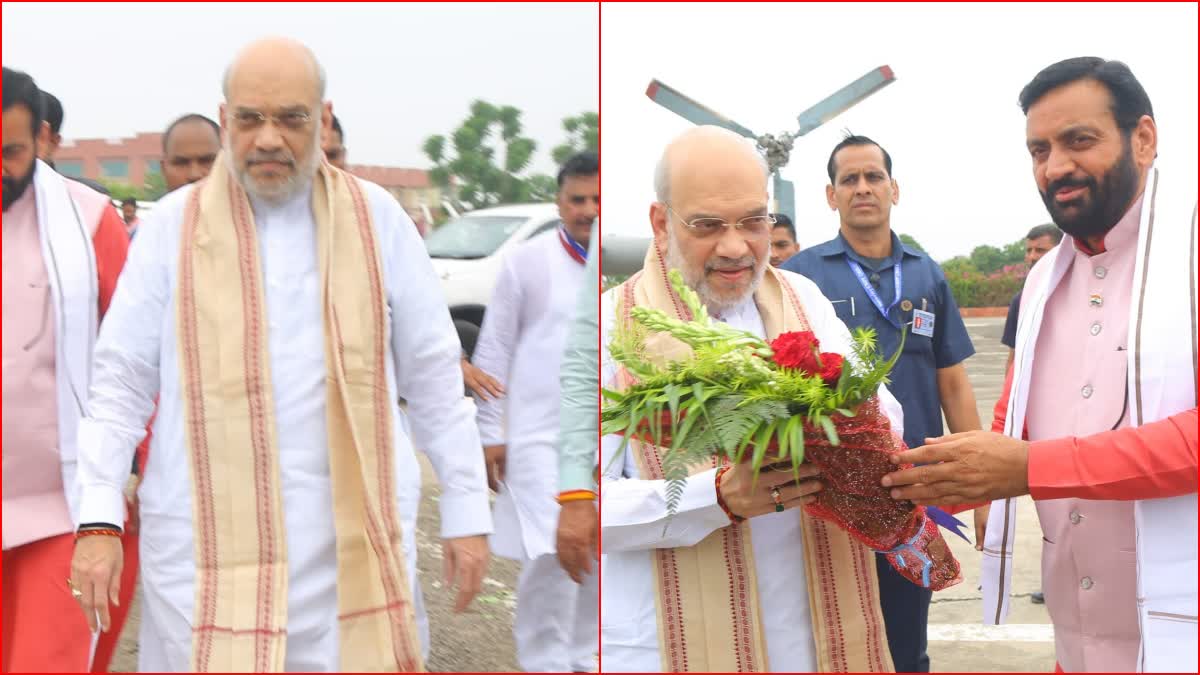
x,y
662,171
1047,230
320,72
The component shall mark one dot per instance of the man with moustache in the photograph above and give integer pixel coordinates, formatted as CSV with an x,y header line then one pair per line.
x,y
811,600
1101,427
190,147
521,343
64,247
281,308
877,282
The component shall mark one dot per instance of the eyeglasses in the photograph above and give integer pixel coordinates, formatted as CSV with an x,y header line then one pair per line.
x,y
753,227
292,120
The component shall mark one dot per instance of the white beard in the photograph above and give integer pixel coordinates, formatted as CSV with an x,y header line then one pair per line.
x,y
306,168
698,280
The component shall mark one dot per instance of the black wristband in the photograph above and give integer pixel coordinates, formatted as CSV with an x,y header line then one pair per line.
x,y
98,526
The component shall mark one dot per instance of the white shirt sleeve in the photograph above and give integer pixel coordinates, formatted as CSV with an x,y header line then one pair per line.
x,y
125,371
633,511
494,349
428,375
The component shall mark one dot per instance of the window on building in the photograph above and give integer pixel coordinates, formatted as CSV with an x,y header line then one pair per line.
x,y
152,167
70,167
114,168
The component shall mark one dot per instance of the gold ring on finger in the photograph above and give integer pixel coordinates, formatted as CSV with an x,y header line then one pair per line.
x,y
777,498
75,592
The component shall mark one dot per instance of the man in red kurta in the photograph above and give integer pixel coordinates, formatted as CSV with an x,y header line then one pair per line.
x,y
64,246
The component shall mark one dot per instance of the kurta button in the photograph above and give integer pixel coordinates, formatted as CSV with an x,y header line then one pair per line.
x,y
1085,583
1075,518
1096,328
1086,391
1101,272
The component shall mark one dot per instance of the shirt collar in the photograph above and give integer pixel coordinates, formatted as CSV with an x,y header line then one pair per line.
x,y
838,246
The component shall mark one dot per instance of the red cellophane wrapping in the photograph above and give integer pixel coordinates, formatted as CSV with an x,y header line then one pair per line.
x,y
854,500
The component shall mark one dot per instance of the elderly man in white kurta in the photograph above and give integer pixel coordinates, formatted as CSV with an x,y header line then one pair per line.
x,y
279,309
521,343
728,583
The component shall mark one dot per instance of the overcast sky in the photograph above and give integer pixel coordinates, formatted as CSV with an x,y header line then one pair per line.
x,y
950,121
397,73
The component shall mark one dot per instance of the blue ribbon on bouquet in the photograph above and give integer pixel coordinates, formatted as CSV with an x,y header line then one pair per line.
x,y
909,547
947,521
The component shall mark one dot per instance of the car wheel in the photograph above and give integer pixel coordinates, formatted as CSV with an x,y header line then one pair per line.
x,y
468,335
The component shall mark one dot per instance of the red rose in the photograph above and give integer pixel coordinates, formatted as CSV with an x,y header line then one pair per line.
x,y
831,367
797,350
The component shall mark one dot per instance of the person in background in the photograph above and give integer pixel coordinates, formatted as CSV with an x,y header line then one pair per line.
x,y
521,343
190,146
877,282
129,208
53,111
783,239
333,144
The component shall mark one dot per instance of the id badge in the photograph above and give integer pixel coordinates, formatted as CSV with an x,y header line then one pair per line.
x,y
922,323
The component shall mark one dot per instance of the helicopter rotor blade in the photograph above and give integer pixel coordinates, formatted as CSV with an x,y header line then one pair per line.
x,y
845,98
690,110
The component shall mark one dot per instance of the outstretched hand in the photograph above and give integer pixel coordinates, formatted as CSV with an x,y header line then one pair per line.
x,y
964,468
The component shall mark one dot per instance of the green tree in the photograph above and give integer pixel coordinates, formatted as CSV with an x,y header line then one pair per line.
x,y
120,190
912,243
542,188
154,187
475,173
1015,252
583,133
987,258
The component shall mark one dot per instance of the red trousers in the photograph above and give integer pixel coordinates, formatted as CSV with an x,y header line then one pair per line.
x,y
44,630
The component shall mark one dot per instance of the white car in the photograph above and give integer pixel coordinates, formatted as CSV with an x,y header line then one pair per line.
x,y
467,253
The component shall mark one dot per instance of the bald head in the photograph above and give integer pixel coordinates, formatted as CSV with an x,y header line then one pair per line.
x,y
275,59
705,158
711,219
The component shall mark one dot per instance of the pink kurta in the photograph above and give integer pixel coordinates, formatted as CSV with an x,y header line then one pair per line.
x,y
35,505
1089,565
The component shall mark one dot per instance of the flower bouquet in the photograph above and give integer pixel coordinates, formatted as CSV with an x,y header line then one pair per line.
x,y
780,404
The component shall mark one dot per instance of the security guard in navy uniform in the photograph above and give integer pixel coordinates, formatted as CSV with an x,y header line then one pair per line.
x,y
873,280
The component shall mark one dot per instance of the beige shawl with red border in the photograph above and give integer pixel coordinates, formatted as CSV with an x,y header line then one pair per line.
x,y
240,619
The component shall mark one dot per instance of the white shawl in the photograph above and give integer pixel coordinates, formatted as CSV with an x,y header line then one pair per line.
x,y
70,258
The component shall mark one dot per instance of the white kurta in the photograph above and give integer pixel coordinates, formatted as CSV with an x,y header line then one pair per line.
x,y
137,358
521,344
634,510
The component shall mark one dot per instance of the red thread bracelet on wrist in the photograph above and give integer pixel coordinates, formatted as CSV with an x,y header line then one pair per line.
x,y
721,500
97,532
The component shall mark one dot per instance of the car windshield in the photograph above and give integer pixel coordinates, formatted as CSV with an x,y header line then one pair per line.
x,y
471,237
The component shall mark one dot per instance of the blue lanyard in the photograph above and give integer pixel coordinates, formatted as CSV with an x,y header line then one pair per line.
x,y
871,293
